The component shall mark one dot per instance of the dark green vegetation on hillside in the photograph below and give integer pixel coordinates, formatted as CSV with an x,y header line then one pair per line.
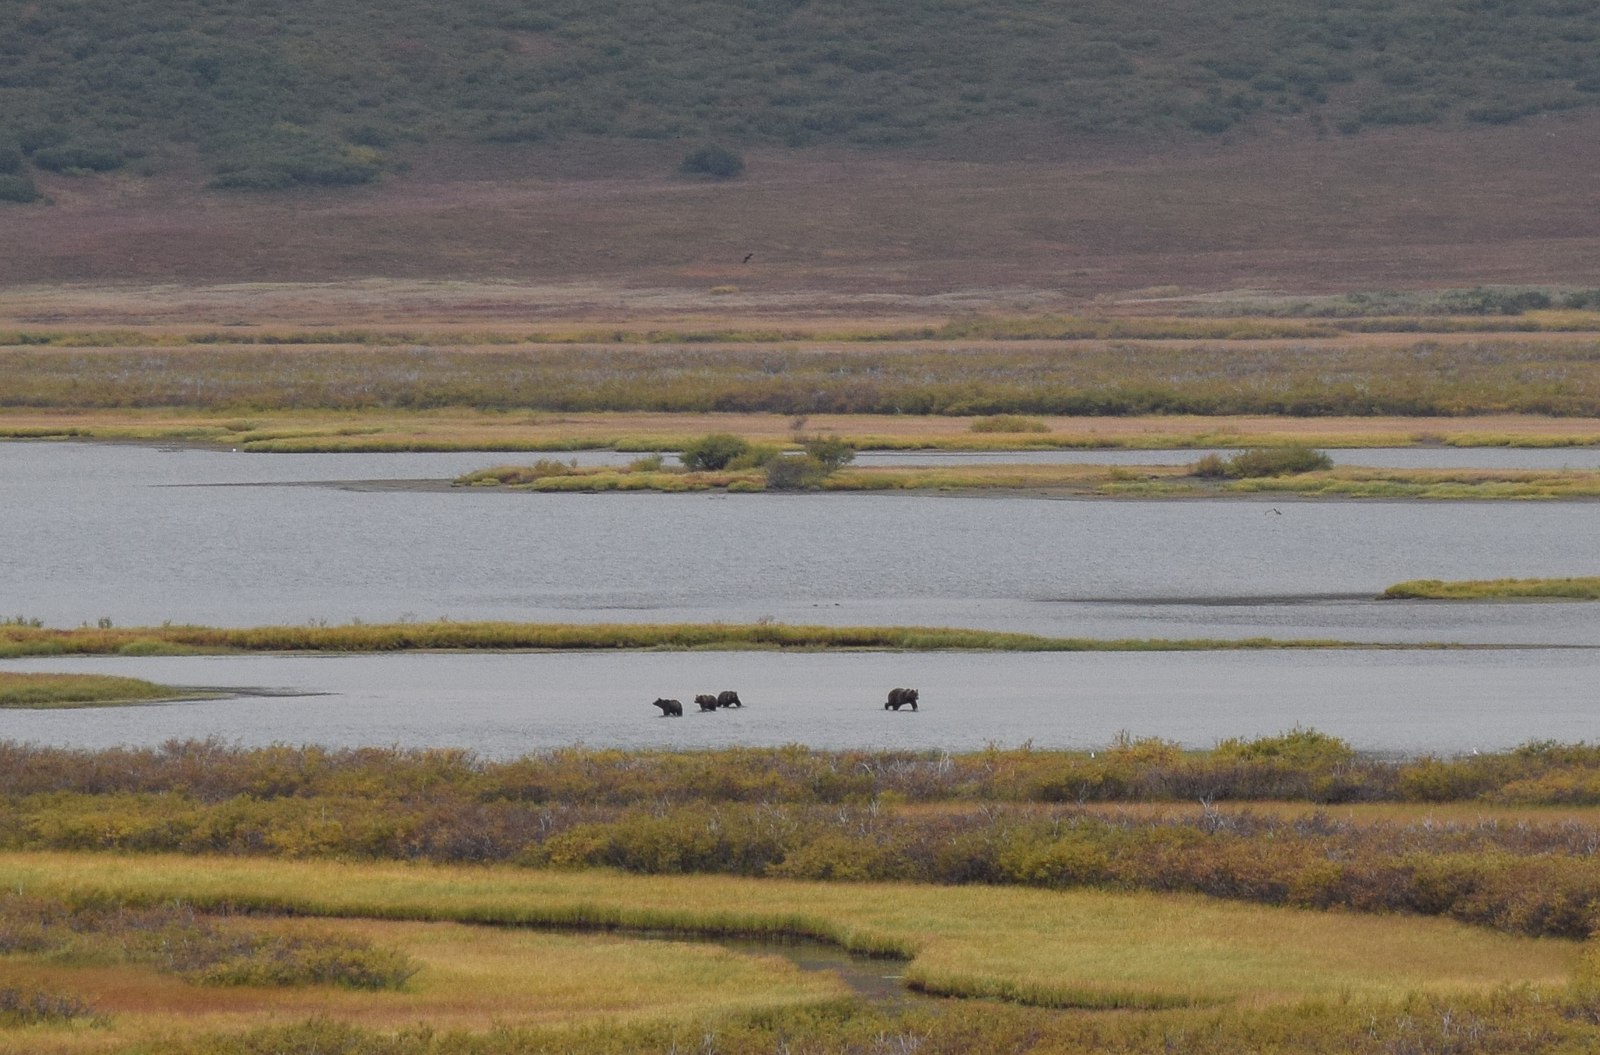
x,y
1018,817
276,94
1492,375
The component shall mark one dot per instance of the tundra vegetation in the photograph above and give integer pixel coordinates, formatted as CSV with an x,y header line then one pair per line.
x,y
272,101
1283,894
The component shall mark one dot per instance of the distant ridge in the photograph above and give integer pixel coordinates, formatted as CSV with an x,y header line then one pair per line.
x,y
274,93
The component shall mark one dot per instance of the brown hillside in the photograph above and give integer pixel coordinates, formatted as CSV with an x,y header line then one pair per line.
x,y
1056,224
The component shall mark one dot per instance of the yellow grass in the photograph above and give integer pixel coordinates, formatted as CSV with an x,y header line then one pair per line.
x,y
471,978
1586,588
36,691
464,429
1077,948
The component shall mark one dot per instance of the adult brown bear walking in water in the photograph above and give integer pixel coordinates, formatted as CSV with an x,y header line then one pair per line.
x,y
669,708
899,698
729,698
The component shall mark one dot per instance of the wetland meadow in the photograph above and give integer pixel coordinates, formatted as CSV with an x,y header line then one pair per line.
x,y
327,656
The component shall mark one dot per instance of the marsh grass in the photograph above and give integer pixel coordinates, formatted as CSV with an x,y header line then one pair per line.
x,y
1107,378
1078,948
393,637
1464,484
173,938
463,428
19,690
1290,469
1580,589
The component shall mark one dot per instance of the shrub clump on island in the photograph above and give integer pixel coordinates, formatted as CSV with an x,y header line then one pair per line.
x,y
1262,461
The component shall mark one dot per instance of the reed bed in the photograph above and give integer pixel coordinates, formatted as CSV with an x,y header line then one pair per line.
x,y
25,640
1492,375
1572,589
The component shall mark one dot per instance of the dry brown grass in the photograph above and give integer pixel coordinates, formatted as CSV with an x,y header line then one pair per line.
x,y
1054,222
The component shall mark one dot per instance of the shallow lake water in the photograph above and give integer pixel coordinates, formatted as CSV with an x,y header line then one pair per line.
x,y
508,704
141,535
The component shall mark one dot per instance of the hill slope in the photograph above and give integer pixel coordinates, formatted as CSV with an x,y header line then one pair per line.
x,y
277,92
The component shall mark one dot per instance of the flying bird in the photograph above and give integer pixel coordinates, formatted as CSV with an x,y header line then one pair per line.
x,y
747,257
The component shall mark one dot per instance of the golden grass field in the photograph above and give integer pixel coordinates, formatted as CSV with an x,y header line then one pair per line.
x,y
1076,948
472,978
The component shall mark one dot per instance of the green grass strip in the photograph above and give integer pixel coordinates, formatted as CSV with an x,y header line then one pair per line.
x,y
41,691
1577,589
22,640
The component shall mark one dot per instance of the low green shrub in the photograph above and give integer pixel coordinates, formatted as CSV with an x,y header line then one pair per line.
x,y
17,187
30,1007
712,452
10,155
80,157
712,160
756,456
1262,461
794,472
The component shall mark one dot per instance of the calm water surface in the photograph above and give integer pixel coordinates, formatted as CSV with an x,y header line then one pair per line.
x,y
506,704
140,535
121,532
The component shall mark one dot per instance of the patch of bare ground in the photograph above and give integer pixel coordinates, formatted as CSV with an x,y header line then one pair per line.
x,y
586,231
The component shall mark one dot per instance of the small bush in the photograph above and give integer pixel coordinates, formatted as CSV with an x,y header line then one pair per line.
x,y
1263,461
756,456
17,188
79,157
1009,423
830,452
714,161
794,472
650,463
712,452
28,1007
1494,301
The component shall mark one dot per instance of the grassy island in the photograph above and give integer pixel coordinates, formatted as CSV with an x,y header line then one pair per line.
x,y
1077,481
40,691
1585,588
26,640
